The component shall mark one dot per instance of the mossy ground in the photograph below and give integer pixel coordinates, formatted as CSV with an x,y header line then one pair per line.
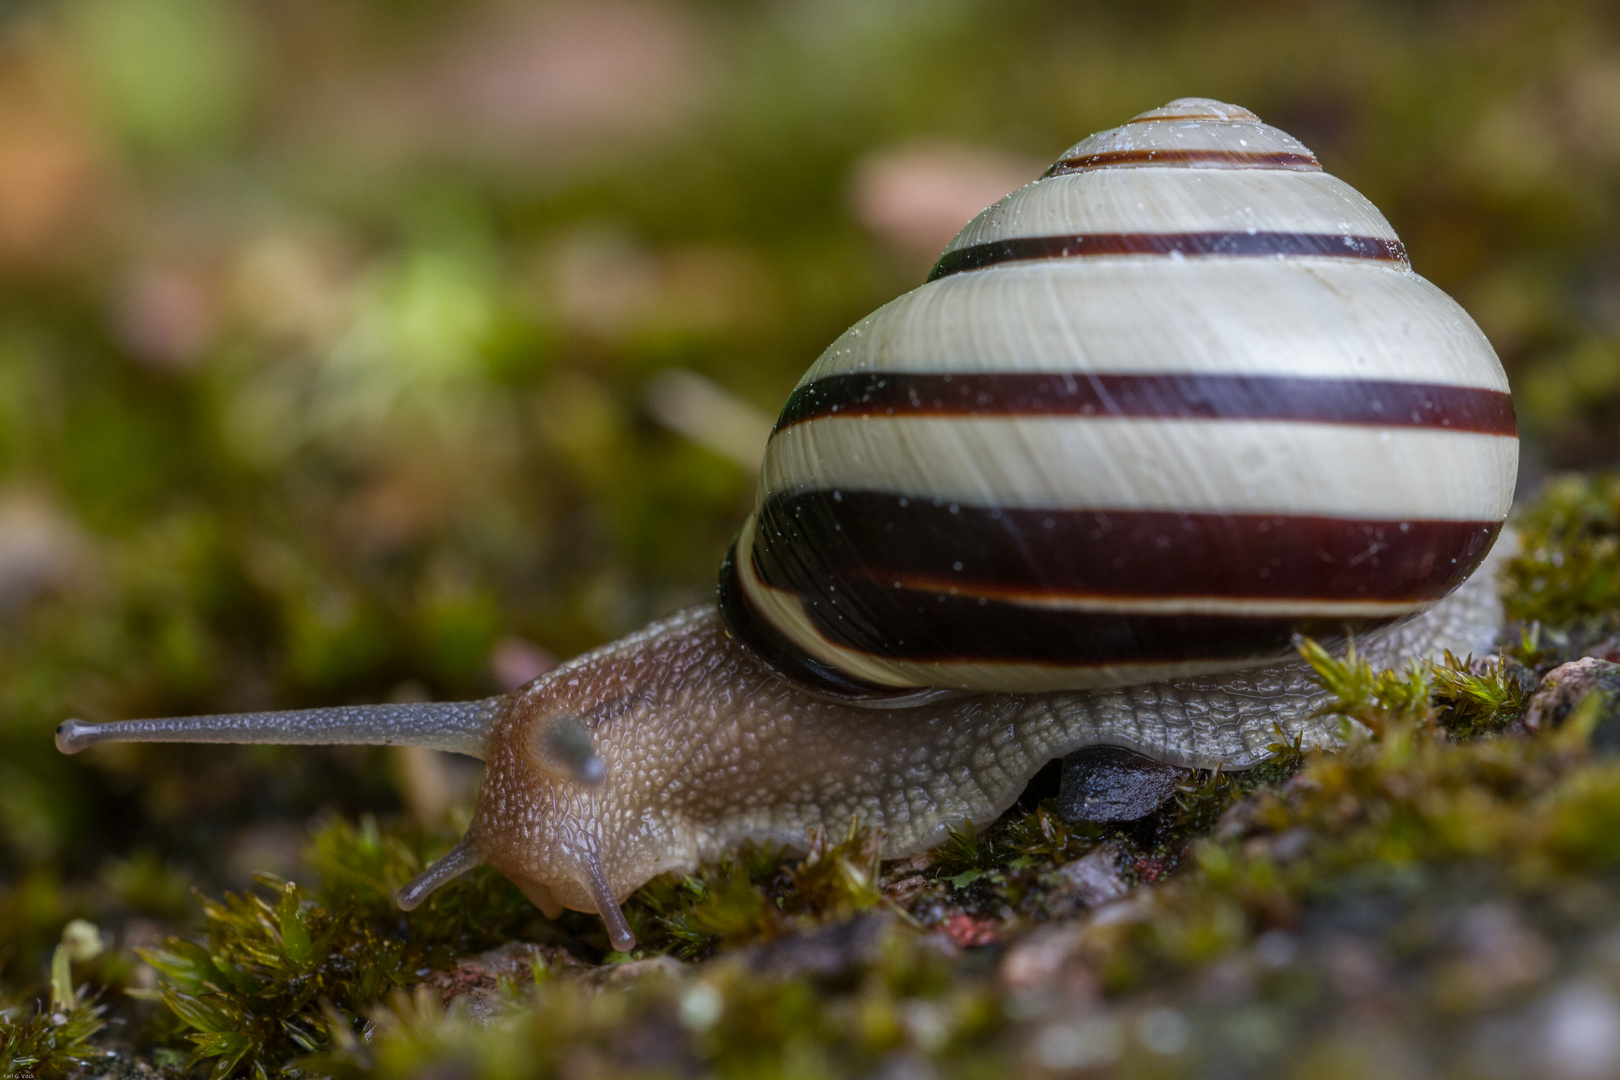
x,y
1443,877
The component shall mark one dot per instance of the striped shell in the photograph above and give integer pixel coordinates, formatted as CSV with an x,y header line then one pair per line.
x,y
1150,416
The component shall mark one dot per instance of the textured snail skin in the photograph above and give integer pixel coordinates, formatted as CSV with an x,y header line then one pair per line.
x,y
704,748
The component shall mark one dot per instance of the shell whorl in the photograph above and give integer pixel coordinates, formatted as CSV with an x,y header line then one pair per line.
x,y
1149,417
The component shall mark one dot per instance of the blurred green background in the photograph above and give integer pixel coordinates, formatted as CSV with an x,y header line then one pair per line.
x,y
387,349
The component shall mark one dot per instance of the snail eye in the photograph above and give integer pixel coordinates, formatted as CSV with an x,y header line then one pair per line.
x,y
566,744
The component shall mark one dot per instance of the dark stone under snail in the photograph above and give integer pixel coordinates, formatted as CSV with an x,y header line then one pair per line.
x,y
1151,416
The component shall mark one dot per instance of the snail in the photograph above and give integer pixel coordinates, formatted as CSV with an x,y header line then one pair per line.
x,y
1149,418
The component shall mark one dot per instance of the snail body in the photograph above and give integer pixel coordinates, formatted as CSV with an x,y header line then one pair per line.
x,y
1019,511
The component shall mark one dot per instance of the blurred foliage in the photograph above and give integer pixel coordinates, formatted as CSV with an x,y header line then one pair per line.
x,y
1567,574
906,1009
358,350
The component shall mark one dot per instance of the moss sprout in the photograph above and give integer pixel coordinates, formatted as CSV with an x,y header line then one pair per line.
x,y
965,854
274,967
55,1039
1456,696
1473,700
1039,837
758,894
1377,700
51,1041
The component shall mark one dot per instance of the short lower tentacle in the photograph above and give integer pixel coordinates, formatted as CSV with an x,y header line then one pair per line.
x,y
455,862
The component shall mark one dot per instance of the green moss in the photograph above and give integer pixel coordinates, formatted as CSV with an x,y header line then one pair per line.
x,y
55,1039
1403,797
1469,704
1449,696
1199,804
965,854
1006,867
1039,837
905,1005
1568,571
276,970
1375,699
757,894
49,1041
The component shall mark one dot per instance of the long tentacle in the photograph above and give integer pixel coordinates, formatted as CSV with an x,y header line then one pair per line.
x,y
461,727
457,861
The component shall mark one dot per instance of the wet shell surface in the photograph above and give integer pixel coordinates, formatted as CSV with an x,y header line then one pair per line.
x,y
1176,401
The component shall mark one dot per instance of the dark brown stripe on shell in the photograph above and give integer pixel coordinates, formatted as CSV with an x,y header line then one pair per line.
x,y
774,649
1191,159
1192,244
861,551
859,606
937,628
1371,402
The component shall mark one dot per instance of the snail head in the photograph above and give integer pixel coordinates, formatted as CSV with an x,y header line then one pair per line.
x,y
547,808
554,813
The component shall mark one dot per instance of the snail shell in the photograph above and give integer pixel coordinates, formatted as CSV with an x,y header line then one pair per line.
x,y
1151,416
